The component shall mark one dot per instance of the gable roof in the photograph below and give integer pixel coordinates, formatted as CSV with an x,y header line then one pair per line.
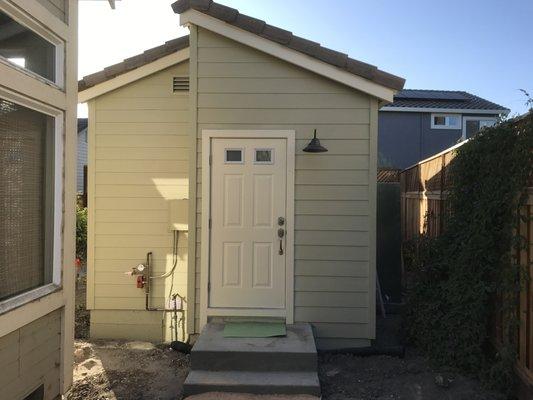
x,y
445,100
286,38
134,62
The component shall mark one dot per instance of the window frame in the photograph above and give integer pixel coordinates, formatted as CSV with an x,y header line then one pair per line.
x,y
447,126
57,212
474,118
59,69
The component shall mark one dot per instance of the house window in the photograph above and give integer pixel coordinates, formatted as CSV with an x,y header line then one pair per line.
x,y
24,48
445,121
233,156
472,125
263,156
27,199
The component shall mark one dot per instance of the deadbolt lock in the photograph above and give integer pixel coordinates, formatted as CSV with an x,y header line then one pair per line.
x,y
281,221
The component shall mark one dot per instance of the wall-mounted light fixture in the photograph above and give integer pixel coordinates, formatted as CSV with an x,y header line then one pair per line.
x,y
314,146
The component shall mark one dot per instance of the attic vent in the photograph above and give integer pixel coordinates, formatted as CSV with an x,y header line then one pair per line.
x,y
180,84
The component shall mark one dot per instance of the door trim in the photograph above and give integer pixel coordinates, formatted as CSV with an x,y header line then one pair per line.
x,y
205,310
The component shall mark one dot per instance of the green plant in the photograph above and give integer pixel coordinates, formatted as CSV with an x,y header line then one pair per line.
x,y
81,233
456,277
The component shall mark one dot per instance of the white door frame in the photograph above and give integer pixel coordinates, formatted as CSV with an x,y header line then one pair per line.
x,y
205,310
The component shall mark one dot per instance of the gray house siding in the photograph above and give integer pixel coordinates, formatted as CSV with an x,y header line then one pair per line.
x,y
82,158
406,138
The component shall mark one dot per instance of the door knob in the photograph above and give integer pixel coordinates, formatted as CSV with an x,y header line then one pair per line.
x,y
281,232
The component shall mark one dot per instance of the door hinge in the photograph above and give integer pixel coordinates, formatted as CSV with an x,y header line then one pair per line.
x,y
209,286
210,159
210,223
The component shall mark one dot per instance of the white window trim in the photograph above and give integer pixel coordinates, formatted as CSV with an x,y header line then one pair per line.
x,y
470,118
433,126
30,23
46,289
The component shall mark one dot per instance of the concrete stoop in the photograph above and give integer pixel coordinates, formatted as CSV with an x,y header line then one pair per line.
x,y
277,365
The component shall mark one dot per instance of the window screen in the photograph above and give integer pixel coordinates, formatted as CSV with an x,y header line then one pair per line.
x,y
27,49
26,204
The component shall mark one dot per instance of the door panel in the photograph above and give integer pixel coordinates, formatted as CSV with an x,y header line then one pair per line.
x,y
248,195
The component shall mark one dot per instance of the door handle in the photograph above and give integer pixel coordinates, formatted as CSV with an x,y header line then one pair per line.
x,y
281,234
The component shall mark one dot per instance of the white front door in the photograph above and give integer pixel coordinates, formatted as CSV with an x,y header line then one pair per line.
x,y
248,206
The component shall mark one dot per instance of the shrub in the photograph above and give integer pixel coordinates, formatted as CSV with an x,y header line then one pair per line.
x,y
456,277
81,233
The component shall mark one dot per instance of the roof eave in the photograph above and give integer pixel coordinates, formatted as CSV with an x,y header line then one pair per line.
x,y
192,16
133,75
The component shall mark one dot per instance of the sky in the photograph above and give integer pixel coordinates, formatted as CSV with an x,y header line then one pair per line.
x,y
484,47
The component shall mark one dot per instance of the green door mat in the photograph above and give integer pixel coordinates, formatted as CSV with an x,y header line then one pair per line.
x,y
254,329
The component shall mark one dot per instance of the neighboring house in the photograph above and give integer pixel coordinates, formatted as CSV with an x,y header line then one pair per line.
x,y
38,95
82,153
196,156
420,123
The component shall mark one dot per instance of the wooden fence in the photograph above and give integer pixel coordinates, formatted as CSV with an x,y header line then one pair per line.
x,y
423,189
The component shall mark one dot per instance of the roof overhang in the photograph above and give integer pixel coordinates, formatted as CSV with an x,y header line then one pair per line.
x,y
445,110
277,50
133,75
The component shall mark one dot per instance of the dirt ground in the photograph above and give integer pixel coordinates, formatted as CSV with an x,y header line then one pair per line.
x,y
125,370
346,377
119,370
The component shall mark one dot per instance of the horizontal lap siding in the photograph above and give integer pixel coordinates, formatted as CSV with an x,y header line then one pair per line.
x,y
140,164
31,356
241,88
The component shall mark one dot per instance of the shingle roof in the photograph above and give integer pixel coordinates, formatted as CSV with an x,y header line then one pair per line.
x,y
134,62
286,38
446,99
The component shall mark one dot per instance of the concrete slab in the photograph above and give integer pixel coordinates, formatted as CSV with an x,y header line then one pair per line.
x,y
299,339
253,382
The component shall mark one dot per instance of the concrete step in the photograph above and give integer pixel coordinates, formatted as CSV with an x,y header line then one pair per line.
x,y
252,382
294,352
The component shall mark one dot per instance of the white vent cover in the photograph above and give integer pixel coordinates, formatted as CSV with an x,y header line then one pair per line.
x,y
180,84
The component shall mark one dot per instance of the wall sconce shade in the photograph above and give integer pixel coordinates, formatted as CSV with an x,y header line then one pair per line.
x,y
314,146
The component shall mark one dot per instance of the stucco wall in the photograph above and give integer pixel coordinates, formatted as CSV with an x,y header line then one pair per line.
x,y
138,164
30,356
241,88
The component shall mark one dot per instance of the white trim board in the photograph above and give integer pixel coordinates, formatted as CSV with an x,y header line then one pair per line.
x,y
286,54
445,110
205,310
133,75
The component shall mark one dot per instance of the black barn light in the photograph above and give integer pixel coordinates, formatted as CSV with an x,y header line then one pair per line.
x,y
314,146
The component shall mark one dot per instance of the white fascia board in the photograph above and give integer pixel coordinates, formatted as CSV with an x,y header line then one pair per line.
x,y
445,110
133,75
286,54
